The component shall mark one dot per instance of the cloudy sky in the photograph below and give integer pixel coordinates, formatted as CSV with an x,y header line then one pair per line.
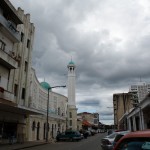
x,y
108,40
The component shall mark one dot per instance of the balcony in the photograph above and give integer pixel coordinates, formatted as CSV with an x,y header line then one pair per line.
x,y
6,95
7,60
9,29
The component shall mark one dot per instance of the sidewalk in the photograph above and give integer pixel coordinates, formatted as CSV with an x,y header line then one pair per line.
x,y
18,146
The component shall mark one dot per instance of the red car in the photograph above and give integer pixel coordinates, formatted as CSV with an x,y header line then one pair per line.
x,y
139,140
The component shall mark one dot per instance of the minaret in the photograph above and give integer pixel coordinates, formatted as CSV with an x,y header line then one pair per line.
x,y
71,84
72,111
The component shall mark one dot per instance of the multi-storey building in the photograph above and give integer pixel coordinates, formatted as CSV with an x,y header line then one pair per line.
x,y
141,89
96,119
122,105
23,100
16,41
91,119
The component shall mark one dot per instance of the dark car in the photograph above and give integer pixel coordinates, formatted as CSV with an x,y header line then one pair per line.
x,y
69,135
139,140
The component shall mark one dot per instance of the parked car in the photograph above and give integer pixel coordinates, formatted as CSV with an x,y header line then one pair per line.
x,y
88,133
107,143
119,136
102,130
110,131
139,140
69,135
93,132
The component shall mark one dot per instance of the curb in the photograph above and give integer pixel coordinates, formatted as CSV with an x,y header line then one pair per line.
x,y
24,147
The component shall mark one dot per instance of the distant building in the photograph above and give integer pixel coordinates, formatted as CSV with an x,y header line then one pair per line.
x,y
89,119
96,119
79,123
141,89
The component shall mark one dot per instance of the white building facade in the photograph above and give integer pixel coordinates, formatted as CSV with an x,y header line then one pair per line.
x,y
23,101
57,111
16,41
141,89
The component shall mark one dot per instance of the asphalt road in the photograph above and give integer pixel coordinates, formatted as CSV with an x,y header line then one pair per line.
x,y
91,143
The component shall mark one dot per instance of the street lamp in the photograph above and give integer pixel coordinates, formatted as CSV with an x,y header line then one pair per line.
x,y
49,88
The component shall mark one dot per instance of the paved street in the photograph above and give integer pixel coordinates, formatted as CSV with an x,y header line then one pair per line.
x,y
91,143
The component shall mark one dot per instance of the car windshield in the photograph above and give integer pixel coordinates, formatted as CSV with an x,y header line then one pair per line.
x,y
135,144
118,137
120,134
112,135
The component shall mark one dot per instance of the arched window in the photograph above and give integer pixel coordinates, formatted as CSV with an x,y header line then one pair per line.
x,y
38,125
33,125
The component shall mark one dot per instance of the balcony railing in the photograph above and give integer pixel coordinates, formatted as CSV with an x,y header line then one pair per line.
x,y
6,95
9,29
8,60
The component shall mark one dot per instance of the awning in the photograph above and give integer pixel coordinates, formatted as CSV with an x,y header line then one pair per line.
x,y
86,123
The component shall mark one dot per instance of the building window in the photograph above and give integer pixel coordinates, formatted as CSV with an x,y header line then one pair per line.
x,y
23,93
15,90
33,125
22,36
26,66
19,62
2,45
28,43
70,114
58,110
70,122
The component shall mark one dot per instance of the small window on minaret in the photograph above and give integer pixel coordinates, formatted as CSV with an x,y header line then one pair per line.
x,y
70,69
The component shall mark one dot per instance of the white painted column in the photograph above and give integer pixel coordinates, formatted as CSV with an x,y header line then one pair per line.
x,y
129,123
134,123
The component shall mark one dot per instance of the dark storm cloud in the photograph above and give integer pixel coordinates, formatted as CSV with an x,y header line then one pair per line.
x,y
106,113
89,102
108,41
